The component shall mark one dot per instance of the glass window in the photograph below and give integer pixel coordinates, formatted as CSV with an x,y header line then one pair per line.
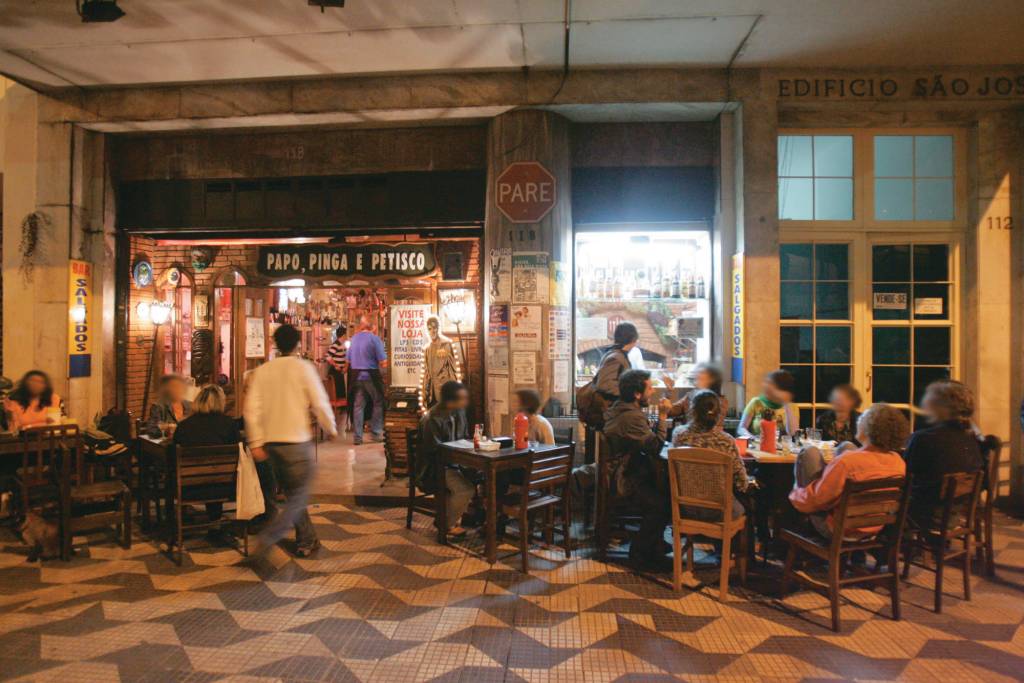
x,y
815,177
914,178
912,333
816,337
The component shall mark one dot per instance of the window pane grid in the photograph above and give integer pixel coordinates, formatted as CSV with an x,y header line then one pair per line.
x,y
815,177
914,177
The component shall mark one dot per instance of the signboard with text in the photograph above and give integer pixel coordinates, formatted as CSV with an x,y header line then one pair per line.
x,y
409,259
736,335
525,192
79,330
408,340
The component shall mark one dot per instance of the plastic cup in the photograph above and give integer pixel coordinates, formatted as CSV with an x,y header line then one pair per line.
x,y
741,445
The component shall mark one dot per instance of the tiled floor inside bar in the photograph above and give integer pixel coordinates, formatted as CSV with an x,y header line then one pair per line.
x,y
380,603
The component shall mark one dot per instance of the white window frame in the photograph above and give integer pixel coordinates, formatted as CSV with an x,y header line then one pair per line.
x,y
864,185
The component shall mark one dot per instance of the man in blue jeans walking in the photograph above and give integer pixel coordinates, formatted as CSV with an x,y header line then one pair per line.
x,y
366,357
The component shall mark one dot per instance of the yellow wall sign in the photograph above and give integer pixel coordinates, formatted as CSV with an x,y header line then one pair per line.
x,y
79,331
736,335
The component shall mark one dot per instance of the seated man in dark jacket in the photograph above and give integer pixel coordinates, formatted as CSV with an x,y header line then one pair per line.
x,y
947,446
642,473
446,421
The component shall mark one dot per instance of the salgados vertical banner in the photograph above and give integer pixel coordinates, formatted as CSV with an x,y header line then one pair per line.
x,y
736,336
79,307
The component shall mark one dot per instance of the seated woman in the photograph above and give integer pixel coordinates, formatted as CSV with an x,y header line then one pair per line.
x,y
948,445
776,396
840,423
32,401
882,430
171,406
702,430
208,426
706,376
540,429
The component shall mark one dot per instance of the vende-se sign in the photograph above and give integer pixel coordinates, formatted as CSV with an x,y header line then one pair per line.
x,y
525,192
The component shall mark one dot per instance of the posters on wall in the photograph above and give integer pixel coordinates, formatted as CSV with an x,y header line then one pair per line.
x,y
408,340
497,360
501,275
560,380
497,337
530,277
561,285
928,305
526,327
497,402
524,367
457,306
559,333
255,342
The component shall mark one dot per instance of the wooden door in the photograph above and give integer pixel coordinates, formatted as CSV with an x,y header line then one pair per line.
x,y
252,338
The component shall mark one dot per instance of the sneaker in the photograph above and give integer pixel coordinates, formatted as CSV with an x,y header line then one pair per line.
x,y
377,437
357,442
307,550
456,533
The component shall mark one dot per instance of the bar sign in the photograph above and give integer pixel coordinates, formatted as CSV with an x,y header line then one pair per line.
x,y
79,332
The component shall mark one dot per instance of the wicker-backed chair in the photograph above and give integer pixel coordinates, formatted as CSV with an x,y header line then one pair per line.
x,y
701,478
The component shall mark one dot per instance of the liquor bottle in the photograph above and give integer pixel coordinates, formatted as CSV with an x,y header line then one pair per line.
x,y
641,290
691,285
617,286
701,287
655,282
676,284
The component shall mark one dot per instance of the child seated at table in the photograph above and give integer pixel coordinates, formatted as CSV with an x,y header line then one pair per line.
x,y
446,421
776,396
540,430
882,430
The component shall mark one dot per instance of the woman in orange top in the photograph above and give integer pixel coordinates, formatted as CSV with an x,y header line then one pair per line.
x,y
31,402
883,430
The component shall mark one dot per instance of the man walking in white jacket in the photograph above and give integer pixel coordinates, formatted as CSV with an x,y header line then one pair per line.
x,y
280,398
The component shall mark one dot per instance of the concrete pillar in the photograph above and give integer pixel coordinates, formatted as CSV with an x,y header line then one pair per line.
x,y
997,278
758,238
49,174
539,136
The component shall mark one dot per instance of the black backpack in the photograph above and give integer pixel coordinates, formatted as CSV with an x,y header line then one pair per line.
x,y
591,403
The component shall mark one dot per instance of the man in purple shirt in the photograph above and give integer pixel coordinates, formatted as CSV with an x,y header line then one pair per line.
x,y
366,357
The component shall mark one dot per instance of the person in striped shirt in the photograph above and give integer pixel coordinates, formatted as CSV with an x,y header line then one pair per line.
x,y
337,359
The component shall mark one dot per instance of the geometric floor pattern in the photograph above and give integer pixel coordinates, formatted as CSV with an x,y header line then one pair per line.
x,y
380,603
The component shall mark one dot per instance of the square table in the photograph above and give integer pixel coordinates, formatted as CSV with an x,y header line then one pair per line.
x,y
490,463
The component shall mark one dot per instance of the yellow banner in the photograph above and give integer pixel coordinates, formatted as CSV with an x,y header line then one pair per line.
x,y
736,335
79,308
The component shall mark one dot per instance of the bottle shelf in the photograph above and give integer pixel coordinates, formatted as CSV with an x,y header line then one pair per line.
x,y
636,300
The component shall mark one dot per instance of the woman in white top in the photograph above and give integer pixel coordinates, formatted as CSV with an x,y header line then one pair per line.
x,y
540,429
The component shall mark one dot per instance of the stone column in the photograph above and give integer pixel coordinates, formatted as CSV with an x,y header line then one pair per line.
x,y
49,176
758,239
530,135
997,271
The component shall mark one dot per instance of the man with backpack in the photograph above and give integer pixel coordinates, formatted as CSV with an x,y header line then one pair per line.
x,y
601,392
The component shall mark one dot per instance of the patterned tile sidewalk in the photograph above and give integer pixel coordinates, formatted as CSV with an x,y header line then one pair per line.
x,y
380,603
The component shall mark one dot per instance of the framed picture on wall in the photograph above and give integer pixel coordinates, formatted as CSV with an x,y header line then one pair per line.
x,y
201,310
457,309
452,266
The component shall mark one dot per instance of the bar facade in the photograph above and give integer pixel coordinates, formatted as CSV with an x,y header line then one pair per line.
x,y
851,227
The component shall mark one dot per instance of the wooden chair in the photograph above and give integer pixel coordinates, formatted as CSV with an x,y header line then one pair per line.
x,y
960,493
702,478
203,475
609,505
992,447
36,479
416,502
545,486
86,504
863,505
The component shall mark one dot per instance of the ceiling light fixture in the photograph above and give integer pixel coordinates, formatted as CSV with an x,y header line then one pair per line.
x,y
95,11
323,4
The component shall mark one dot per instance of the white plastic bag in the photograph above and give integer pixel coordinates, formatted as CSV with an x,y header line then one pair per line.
x,y
248,494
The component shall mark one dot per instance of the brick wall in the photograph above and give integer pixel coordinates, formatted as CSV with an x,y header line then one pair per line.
x,y
140,333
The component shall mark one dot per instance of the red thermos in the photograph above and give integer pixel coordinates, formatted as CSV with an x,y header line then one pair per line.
x,y
768,429
520,428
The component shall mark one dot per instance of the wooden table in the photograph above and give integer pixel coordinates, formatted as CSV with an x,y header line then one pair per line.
x,y
490,463
777,458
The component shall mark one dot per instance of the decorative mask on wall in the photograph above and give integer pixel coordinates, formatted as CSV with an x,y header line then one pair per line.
x,y
202,257
202,356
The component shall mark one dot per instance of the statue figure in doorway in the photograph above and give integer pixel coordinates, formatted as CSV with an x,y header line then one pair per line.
x,y
441,364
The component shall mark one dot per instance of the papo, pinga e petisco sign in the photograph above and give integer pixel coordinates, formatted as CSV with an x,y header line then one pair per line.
x,y
408,259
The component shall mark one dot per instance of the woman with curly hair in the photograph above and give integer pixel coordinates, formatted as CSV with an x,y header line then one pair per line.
x,y
946,446
882,430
